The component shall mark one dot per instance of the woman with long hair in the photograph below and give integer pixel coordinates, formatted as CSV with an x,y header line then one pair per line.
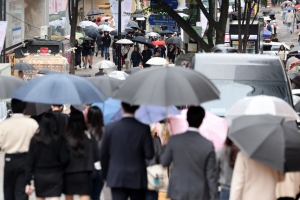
x,y
84,153
91,53
281,54
47,156
96,126
225,163
85,52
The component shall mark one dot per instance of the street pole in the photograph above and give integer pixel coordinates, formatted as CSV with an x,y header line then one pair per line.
x,y
119,34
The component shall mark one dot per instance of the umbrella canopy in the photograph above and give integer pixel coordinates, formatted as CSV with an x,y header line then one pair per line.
x,y
91,31
86,38
295,63
133,70
213,127
297,6
105,27
95,12
47,72
22,66
295,49
288,8
157,61
137,15
59,89
165,32
152,114
267,18
152,34
268,139
109,109
128,29
266,33
62,13
142,40
261,105
274,12
105,18
104,64
9,84
35,109
132,24
54,17
118,75
140,19
83,24
115,32
174,40
106,84
104,23
286,2
159,43
166,86
295,77
124,41
55,23
265,10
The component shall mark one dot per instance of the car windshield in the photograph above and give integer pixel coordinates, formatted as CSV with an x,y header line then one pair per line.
x,y
231,91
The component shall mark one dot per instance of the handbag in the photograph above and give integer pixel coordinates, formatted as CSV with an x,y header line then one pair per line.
x,y
157,177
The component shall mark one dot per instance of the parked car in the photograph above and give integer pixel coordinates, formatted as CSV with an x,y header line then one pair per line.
x,y
241,75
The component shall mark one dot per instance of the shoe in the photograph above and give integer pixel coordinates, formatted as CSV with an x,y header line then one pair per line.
x,y
84,66
90,66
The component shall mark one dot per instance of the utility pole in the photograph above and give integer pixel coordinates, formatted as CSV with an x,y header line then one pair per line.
x,y
119,34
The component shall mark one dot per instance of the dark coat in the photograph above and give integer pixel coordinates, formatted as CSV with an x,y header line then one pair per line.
x,y
136,56
62,121
194,167
106,41
126,145
146,55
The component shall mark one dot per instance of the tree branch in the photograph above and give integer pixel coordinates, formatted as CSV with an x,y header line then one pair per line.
x,y
209,16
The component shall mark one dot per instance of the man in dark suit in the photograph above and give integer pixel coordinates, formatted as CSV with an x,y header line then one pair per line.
x,y
126,145
194,162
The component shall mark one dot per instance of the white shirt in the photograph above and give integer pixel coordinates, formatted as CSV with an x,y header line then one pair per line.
x,y
193,129
127,115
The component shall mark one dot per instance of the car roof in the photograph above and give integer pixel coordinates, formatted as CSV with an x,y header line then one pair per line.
x,y
244,67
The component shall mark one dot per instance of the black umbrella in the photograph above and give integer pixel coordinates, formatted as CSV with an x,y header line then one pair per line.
x,y
165,86
95,12
35,109
132,24
9,84
115,33
142,40
106,84
269,140
295,77
86,38
47,72
174,40
165,32
91,31
133,70
128,29
274,12
23,66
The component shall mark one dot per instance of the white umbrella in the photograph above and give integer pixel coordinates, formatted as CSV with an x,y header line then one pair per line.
x,y
104,64
55,23
124,41
152,34
157,61
183,15
267,19
105,28
118,75
140,19
83,24
262,105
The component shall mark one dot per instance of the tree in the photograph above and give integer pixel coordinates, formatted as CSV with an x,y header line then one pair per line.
x,y
218,26
73,16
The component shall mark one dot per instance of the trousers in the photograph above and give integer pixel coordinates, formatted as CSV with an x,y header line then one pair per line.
x,y
14,177
124,193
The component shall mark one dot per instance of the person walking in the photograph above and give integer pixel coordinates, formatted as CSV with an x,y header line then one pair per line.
x,y
15,135
194,166
83,154
47,170
282,55
126,145
96,127
61,118
99,44
136,56
91,53
226,157
297,18
289,18
146,54
85,52
106,41
171,54
78,51
127,55
253,180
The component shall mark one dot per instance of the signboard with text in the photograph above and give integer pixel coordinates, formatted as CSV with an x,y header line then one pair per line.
x,y
161,20
172,3
3,27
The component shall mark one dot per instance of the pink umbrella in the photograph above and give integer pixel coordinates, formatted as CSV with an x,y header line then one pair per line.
x,y
104,18
68,37
213,128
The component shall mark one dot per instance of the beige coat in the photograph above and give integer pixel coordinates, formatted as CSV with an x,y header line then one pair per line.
x,y
252,180
290,186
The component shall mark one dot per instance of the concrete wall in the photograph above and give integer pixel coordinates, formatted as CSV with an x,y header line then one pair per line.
x,y
36,14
